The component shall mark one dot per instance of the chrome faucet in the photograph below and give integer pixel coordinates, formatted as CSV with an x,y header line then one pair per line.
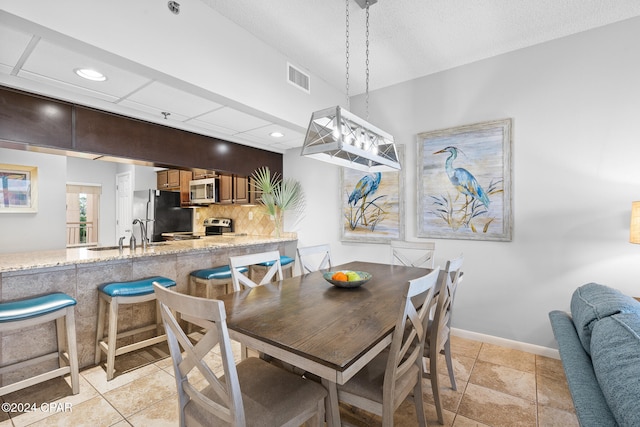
x,y
143,231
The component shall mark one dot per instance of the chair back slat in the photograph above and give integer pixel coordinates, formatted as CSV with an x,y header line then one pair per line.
x,y
240,280
409,335
412,254
444,307
187,356
310,254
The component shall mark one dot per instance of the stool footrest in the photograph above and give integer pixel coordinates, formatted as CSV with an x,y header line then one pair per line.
x,y
140,344
63,370
30,362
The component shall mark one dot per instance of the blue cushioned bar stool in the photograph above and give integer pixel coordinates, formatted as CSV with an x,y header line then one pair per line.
x,y
21,314
217,280
286,263
118,293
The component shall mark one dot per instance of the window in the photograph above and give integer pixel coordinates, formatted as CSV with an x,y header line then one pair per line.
x,y
83,212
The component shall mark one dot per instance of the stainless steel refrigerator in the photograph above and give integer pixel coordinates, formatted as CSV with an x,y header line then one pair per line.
x,y
162,213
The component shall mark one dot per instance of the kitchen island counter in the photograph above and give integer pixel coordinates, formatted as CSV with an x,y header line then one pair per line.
x,y
55,258
78,272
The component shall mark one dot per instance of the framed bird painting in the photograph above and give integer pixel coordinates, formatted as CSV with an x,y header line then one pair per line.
x,y
464,182
372,206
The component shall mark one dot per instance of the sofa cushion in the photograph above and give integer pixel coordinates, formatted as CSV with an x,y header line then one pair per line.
x,y
592,302
615,352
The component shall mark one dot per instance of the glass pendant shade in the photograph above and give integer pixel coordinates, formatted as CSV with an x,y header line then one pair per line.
x,y
339,137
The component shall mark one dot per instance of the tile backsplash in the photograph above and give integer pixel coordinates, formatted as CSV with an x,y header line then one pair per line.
x,y
246,219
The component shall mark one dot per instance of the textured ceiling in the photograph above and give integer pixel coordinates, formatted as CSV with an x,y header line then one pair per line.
x,y
408,39
413,38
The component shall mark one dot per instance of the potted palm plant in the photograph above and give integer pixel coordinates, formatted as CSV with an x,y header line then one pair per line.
x,y
278,195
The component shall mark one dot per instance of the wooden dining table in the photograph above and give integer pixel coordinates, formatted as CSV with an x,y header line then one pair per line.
x,y
327,331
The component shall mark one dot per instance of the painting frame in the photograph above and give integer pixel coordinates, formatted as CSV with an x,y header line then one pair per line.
x,y
390,228
451,202
18,189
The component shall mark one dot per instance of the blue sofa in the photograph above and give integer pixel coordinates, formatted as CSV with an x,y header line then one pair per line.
x,y
599,344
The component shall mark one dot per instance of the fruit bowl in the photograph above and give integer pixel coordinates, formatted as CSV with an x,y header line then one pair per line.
x,y
364,278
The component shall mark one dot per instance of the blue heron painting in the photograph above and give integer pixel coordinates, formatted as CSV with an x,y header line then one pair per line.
x,y
464,187
462,179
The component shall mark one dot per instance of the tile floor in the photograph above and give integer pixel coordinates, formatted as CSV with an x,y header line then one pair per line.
x,y
496,387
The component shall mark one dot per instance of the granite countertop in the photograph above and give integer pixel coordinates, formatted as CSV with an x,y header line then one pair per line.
x,y
54,258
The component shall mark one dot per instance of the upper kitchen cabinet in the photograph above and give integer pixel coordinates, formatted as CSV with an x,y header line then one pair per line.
x,y
175,180
233,189
203,173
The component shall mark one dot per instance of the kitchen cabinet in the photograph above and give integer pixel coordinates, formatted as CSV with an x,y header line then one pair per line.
x,y
175,180
203,173
233,189
168,179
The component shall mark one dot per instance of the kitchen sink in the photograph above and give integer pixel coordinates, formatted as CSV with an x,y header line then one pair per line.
x,y
111,248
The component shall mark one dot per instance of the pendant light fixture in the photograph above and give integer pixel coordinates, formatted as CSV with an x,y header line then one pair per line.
x,y
338,136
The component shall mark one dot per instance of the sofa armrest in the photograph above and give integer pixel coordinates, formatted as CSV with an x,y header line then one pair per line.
x,y
591,407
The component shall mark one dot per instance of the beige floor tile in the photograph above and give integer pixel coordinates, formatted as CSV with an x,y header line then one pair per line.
x,y
461,421
497,409
554,392
549,367
465,347
511,358
462,366
161,414
142,393
450,399
504,379
95,412
553,417
6,422
97,377
49,397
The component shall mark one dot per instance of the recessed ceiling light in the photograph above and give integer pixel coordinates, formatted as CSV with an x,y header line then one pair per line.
x,y
276,134
89,74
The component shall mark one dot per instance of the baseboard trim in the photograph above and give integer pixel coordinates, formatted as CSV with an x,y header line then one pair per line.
x,y
503,342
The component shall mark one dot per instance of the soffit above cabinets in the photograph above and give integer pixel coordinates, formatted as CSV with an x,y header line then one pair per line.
x,y
46,67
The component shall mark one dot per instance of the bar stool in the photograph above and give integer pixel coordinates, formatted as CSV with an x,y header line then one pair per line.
x,y
216,279
120,293
24,313
286,263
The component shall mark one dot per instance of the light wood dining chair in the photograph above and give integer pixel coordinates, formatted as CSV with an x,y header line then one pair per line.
x,y
413,254
439,331
252,393
385,382
239,280
314,258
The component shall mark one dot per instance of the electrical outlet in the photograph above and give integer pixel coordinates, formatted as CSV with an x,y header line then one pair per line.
x,y
250,216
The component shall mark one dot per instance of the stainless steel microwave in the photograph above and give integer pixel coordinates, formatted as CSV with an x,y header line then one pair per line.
x,y
202,191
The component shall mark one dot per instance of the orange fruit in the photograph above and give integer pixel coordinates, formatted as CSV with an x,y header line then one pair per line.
x,y
340,276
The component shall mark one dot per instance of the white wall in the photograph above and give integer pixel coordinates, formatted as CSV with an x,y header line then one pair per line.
x,y
20,232
575,104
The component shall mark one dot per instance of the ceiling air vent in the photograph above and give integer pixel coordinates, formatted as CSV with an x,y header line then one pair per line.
x,y
298,78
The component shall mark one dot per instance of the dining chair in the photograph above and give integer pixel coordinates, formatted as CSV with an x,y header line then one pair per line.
x,y
253,392
438,339
239,280
314,258
413,254
385,382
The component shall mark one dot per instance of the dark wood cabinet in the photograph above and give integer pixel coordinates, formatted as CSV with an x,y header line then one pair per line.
x,y
203,174
175,180
233,189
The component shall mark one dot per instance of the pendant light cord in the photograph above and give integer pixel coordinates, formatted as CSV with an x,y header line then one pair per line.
x,y
347,53
367,64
